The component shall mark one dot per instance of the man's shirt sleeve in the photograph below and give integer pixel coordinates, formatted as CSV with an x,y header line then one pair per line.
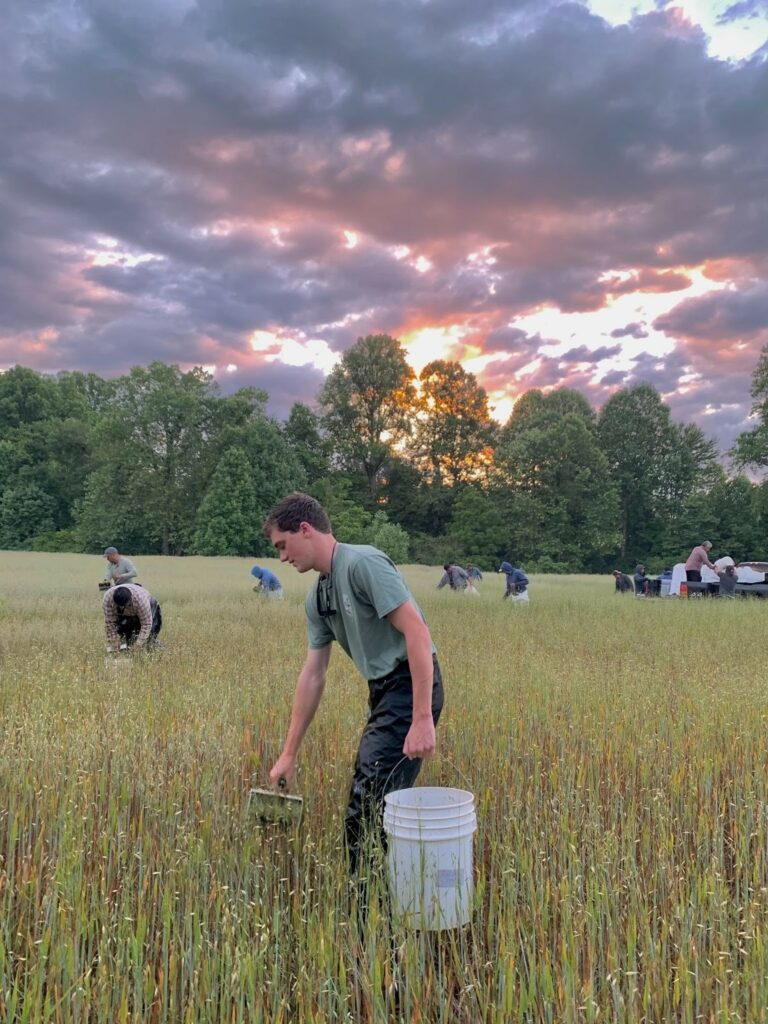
x,y
143,607
377,581
127,571
110,618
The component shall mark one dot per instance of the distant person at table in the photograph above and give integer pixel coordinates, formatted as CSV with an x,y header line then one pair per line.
x,y
517,582
728,580
698,558
622,581
267,584
132,618
474,573
119,568
453,576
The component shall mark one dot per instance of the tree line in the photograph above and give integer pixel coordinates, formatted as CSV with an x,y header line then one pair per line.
x,y
160,461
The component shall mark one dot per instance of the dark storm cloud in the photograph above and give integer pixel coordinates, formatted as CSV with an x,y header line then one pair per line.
x,y
744,9
720,316
530,153
649,281
284,384
630,331
582,354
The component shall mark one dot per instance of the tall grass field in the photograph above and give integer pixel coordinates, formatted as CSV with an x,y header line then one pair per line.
x,y
617,750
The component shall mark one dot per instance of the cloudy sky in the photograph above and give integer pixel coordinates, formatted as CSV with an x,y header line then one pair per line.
x,y
553,193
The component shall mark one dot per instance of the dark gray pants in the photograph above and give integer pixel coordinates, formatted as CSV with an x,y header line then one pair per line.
x,y
377,771
129,626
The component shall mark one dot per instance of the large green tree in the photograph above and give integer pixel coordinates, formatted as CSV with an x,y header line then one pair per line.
x,y
751,448
303,432
157,445
45,424
554,482
367,403
154,457
228,520
453,432
479,532
659,468
25,512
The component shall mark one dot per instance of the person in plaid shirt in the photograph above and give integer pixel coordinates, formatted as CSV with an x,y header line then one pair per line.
x,y
131,616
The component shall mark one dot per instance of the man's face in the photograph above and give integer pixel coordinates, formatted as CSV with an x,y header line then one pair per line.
x,y
114,559
295,548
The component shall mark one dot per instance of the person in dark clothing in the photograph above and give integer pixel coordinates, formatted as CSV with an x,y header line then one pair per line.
x,y
623,582
728,580
362,602
453,576
642,583
517,582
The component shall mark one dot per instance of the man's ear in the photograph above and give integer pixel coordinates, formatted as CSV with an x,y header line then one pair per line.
x,y
304,529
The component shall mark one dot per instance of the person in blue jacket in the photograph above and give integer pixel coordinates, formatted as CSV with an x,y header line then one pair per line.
x,y
517,582
268,584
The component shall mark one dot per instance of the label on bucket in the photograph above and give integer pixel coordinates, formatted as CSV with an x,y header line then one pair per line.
x,y
450,878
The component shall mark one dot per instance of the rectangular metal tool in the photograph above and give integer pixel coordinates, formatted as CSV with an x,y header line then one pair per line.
x,y
275,808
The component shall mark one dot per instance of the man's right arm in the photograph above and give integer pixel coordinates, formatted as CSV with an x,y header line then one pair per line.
x,y
309,690
110,623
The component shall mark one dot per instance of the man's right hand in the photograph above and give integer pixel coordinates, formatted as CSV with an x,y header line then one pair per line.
x,y
284,768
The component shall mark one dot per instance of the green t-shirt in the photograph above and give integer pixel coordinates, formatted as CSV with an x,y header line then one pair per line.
x,y
363,587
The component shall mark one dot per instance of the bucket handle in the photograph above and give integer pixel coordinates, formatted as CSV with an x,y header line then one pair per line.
x,y
447,760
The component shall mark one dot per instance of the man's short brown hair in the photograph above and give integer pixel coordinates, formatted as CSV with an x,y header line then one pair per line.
x,y
295,509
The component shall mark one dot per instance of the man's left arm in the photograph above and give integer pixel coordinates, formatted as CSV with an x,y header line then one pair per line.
x,y
420,741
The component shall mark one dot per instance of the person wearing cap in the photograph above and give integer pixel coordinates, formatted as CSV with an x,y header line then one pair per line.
x,y
268,585
698,557
132,618
119,568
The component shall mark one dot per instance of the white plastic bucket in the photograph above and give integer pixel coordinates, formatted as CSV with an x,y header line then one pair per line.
x,y
665,586
430,832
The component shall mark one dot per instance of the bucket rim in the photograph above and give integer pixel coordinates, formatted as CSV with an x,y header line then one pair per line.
x,y
428,811
416,820
394,798
419,827
442,830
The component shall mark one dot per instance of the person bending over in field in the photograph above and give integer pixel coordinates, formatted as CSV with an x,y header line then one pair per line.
x,y
267,584
454,576
361,601
132,618
517,582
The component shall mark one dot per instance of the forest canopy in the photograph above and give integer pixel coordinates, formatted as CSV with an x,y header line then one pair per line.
x,y
160,461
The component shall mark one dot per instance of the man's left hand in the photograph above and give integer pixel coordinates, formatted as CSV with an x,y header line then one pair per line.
x,y
420,741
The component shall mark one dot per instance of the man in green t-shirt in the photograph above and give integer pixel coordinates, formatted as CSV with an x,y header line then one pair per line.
x,y
361,601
